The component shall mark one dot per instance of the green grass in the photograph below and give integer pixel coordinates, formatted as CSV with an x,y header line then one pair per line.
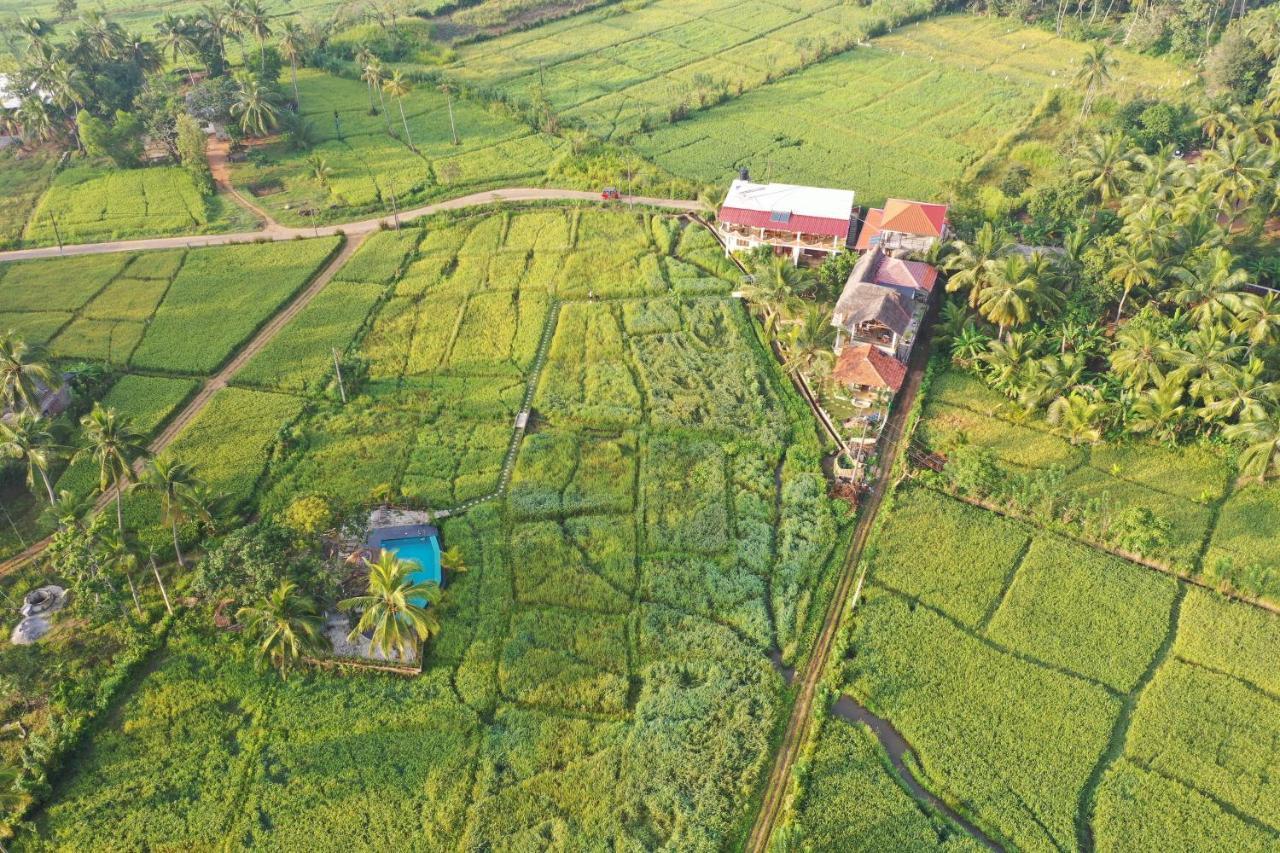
x,y
300,357
1213,733
1231,637
944,427
370,161
219,299
1088,612
970,553
851,800
1013,741
229,440
1242,552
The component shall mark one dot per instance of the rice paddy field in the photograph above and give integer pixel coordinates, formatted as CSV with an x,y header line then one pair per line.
x,y
602,677
1055,695
370,160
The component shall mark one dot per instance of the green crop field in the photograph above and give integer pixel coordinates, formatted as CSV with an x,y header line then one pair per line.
x,y
23,179
220,297
605,615
370,161
87,204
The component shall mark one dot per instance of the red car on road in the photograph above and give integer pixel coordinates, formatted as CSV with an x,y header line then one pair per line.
x,y
610,194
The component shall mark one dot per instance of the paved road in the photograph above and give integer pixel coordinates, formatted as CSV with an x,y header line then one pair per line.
x,y
275,232
793,739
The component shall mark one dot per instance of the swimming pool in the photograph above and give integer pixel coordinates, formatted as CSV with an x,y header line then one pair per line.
x,y
422,550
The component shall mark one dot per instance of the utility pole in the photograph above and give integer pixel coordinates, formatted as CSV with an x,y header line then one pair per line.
x,y
395,208
453,128
56,233
337,369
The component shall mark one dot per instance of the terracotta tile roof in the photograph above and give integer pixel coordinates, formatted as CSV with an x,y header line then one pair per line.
x,y
914,274
863,364
795,222
870,229
914,217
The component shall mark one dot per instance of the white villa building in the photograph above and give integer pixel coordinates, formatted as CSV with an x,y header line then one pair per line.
x,y
804,222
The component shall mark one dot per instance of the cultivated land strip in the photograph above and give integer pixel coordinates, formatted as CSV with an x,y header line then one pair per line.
x,y
217,382
276,233
797,729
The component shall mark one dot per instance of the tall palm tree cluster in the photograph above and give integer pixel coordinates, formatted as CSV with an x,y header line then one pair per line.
x,y
1190,343
98,67
110,443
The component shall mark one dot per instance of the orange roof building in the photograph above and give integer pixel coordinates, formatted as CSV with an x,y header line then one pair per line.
x,y
900,224
865,366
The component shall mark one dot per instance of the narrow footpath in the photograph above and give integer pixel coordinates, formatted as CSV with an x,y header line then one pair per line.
x,y
275,232
215,383
796,733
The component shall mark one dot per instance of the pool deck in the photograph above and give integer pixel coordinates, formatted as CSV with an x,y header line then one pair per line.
x,y
379,535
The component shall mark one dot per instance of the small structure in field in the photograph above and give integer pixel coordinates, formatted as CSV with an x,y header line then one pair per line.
x,y
909,226
803,222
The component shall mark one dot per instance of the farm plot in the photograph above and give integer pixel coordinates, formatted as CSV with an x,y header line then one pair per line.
x,y
23,179
618,73
870,101
219,299
87,204
603,617
56,284
1242,552
369,160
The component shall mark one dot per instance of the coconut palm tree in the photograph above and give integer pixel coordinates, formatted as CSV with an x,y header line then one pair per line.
x,y
27,437
391,609
1140,357
1093,74
33,117
969,263
810,343
256,105
179,491
293,43
1078,418
285,626
176,36
320,169
1238,394
1235,171
257,23
1134,267
1105,164
775,288
24,374
1160,410
371,73
113,444
968,344
116,555
1210,288
1261,436
452,561
1003,361
365,61
397,86
1258,318
1014,290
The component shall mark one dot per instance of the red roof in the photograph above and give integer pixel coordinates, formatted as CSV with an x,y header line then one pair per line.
x,y
866,365
870,229
914,274
914,217
796,223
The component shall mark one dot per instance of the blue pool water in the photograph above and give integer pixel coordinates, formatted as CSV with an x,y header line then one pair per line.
x,y
423,550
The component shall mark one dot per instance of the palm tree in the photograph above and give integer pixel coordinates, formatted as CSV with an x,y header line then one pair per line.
x,y
452,561
116,554
1140,357
970,263
257,23
1004,359
113,444
1105,165
24,374
1235,171
1210,289
179,491
1205,356
1261,436
810,343
33,117
67,87
968,345
285,626
27,437
397,86
256,105
1238,393
370,74
1094,73
176,37
447,88
391,609
1160,410
1011,292
1077,417
1134,267
320,169
293,43
775,288
1258,318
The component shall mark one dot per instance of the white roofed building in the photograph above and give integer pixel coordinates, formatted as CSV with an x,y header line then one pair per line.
x,y
804,222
